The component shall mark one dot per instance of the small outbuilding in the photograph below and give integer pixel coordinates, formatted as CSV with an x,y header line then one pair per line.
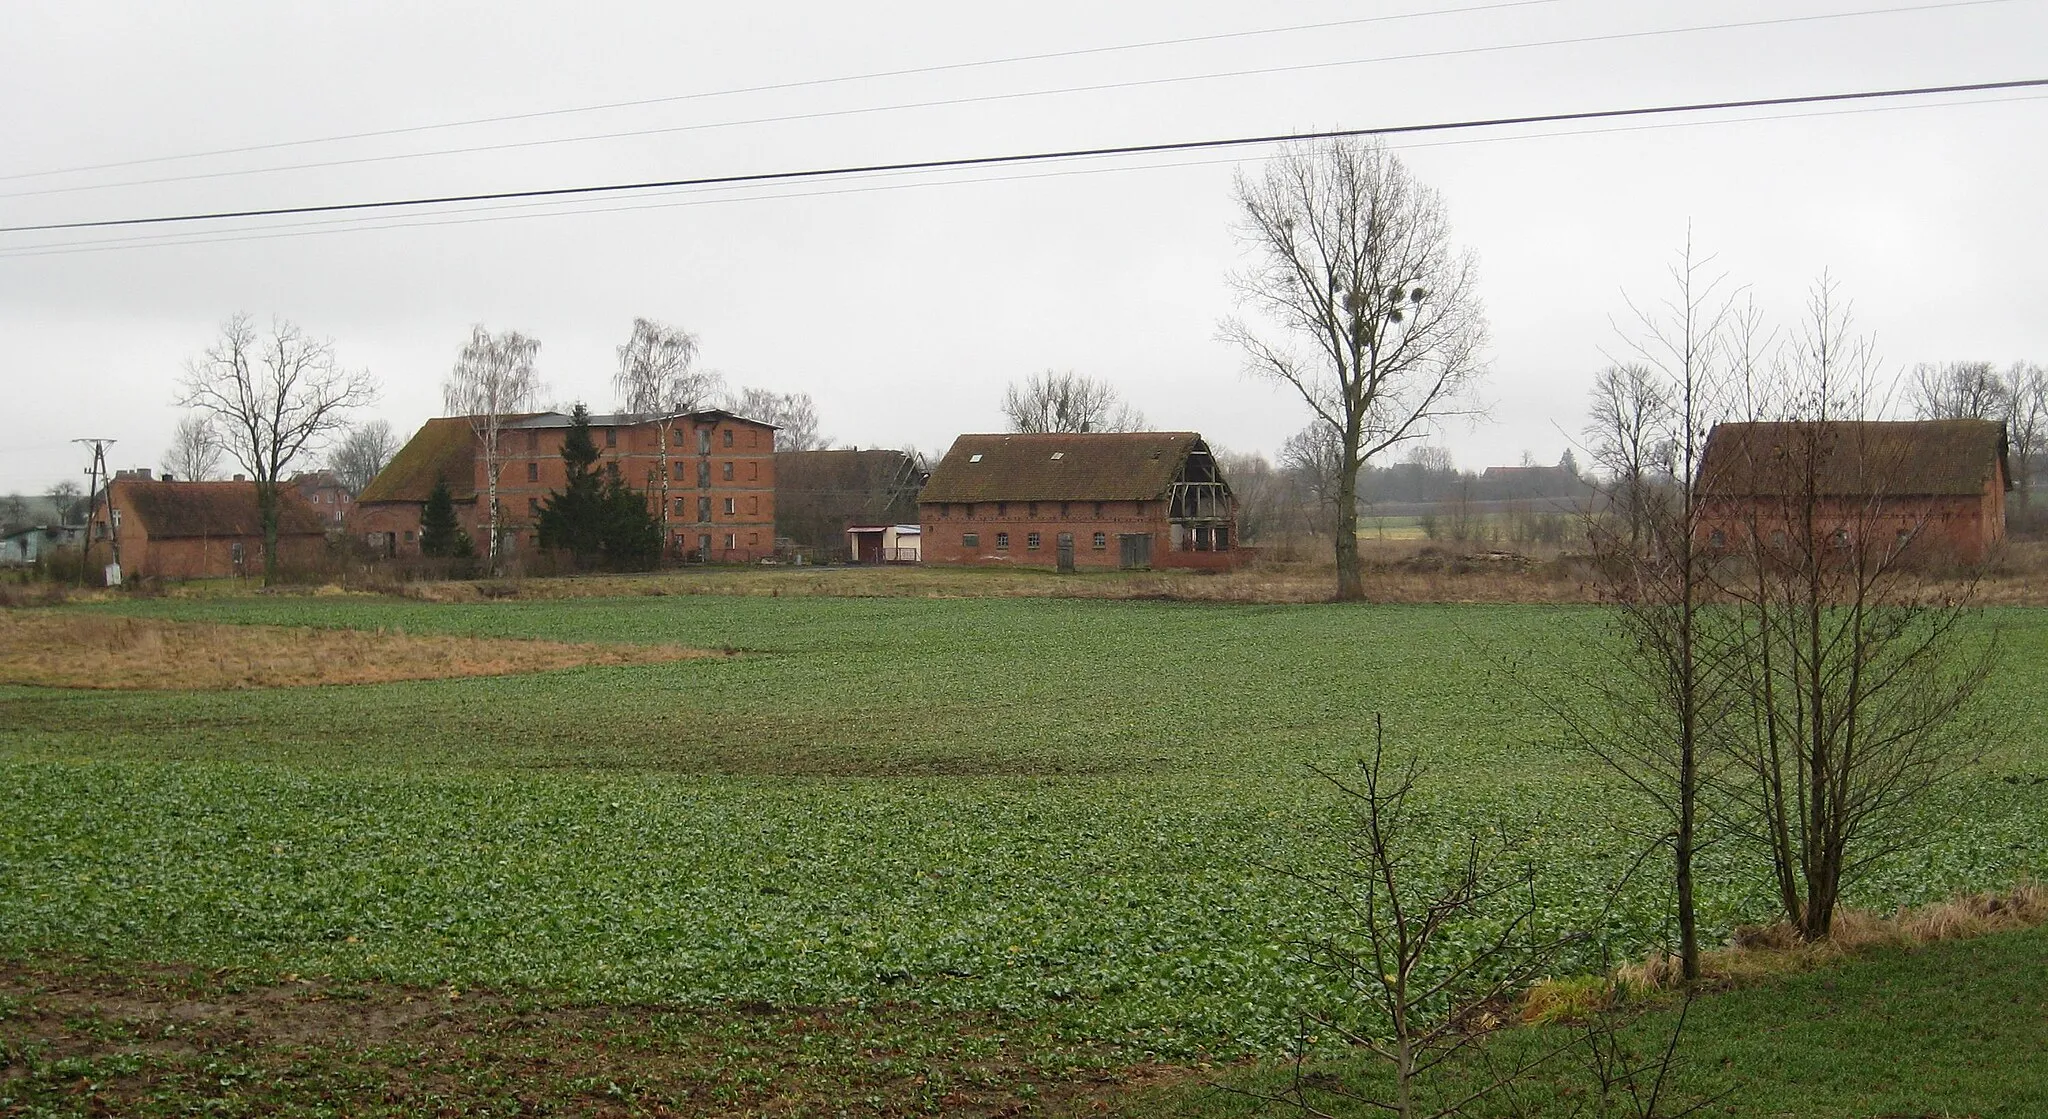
x,y
884,543
30,545
1936,486
1101,500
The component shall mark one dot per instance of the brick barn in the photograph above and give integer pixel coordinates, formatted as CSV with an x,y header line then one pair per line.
x,y
721,485
1937,486
198,530
1111,499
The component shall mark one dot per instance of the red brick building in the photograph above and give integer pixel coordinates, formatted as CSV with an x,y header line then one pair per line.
x,y
197,530
1936,486
323,491
1110,500
720,489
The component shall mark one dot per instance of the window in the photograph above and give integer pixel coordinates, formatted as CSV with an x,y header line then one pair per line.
x,y
533,472
704,448
1002,541
973,458
682,510
611,437
753,472
945,510
726,472
970,540
704,473
753,538
408,536
1032,510
703,545
1002,508
732,539
676,468
728,507
1717,539
1031,542
1841,538
532,441
1066,541
1058,455
1222,538
704,514
1063,510
235,553
533,507
1101,541
728,437
1098,509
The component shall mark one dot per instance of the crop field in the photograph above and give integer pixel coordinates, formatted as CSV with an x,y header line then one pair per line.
x,y
1073,814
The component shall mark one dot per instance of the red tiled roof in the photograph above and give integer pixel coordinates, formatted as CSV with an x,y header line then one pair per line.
x,y
219,509
1096,466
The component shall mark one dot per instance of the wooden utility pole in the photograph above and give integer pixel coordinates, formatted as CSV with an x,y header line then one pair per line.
x,y
94,474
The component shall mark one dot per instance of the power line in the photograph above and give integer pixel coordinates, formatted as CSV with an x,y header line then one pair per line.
x,y
945,102
547,209
763,177
781,86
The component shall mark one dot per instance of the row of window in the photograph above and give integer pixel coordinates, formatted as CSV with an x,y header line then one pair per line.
x,y
1032,541
731,507
679,472
1031,508
611,439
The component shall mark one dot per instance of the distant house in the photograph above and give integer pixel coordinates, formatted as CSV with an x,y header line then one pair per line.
x,y
34,544
1109,499
197,530
1560,484
323,490
721,485
1936,485
820,494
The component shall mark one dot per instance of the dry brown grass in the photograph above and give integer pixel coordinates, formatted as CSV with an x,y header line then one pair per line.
x,y
1761,951
70,650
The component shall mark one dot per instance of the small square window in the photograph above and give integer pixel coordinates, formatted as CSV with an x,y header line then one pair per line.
x,y
1031,542
1101,541
1058,455
1002,541
408,536
970,540
533,472
973,458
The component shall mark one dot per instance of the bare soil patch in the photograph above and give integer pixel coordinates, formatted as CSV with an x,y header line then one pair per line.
x,y
81,1037
72,650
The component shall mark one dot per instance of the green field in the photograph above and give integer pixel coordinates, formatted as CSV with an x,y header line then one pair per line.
x,y
1067,812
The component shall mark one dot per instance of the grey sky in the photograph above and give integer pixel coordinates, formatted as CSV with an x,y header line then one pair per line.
x,y
905,304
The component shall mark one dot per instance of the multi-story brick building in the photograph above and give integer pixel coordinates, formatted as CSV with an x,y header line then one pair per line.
x,y
718,494
323,490
1102,500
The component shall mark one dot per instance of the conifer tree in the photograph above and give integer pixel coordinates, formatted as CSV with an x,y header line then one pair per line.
x,y
440,533
632,535
573,519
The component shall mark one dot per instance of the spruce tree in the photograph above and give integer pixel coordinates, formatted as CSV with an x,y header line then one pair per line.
x,y
632,535
573,520
440,533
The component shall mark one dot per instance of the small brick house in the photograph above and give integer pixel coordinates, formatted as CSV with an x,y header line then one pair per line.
x,y
198,530
721,487
1936,486
1109,500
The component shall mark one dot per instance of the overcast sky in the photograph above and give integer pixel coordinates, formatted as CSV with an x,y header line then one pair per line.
x,y
905,304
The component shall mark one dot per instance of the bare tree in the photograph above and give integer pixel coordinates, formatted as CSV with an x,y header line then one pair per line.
x,y
794,415
1354,256
1629,436
1311,458
362,454
1957,390
195,449
2026,421
66,499
13,512
658,376
493,379
1067,402
1859,686
273,396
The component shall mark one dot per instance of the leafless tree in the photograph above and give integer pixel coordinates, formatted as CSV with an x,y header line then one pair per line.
x,y
658,376
2026,421
493,379
794,415
1354,256
362,454
195,449
274,396
1067,402
1313,456
1628,434
67,501
13,512
1859,687
1957,390
1434,937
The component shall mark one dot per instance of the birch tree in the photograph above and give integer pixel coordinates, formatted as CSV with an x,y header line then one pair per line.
x,y
658,376
493,379
794,414
274,396
1372,315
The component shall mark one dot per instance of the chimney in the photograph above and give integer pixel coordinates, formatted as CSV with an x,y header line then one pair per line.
x,y
240,478
167,477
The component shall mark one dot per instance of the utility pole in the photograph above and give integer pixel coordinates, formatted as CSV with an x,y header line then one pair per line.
x,y
94,474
